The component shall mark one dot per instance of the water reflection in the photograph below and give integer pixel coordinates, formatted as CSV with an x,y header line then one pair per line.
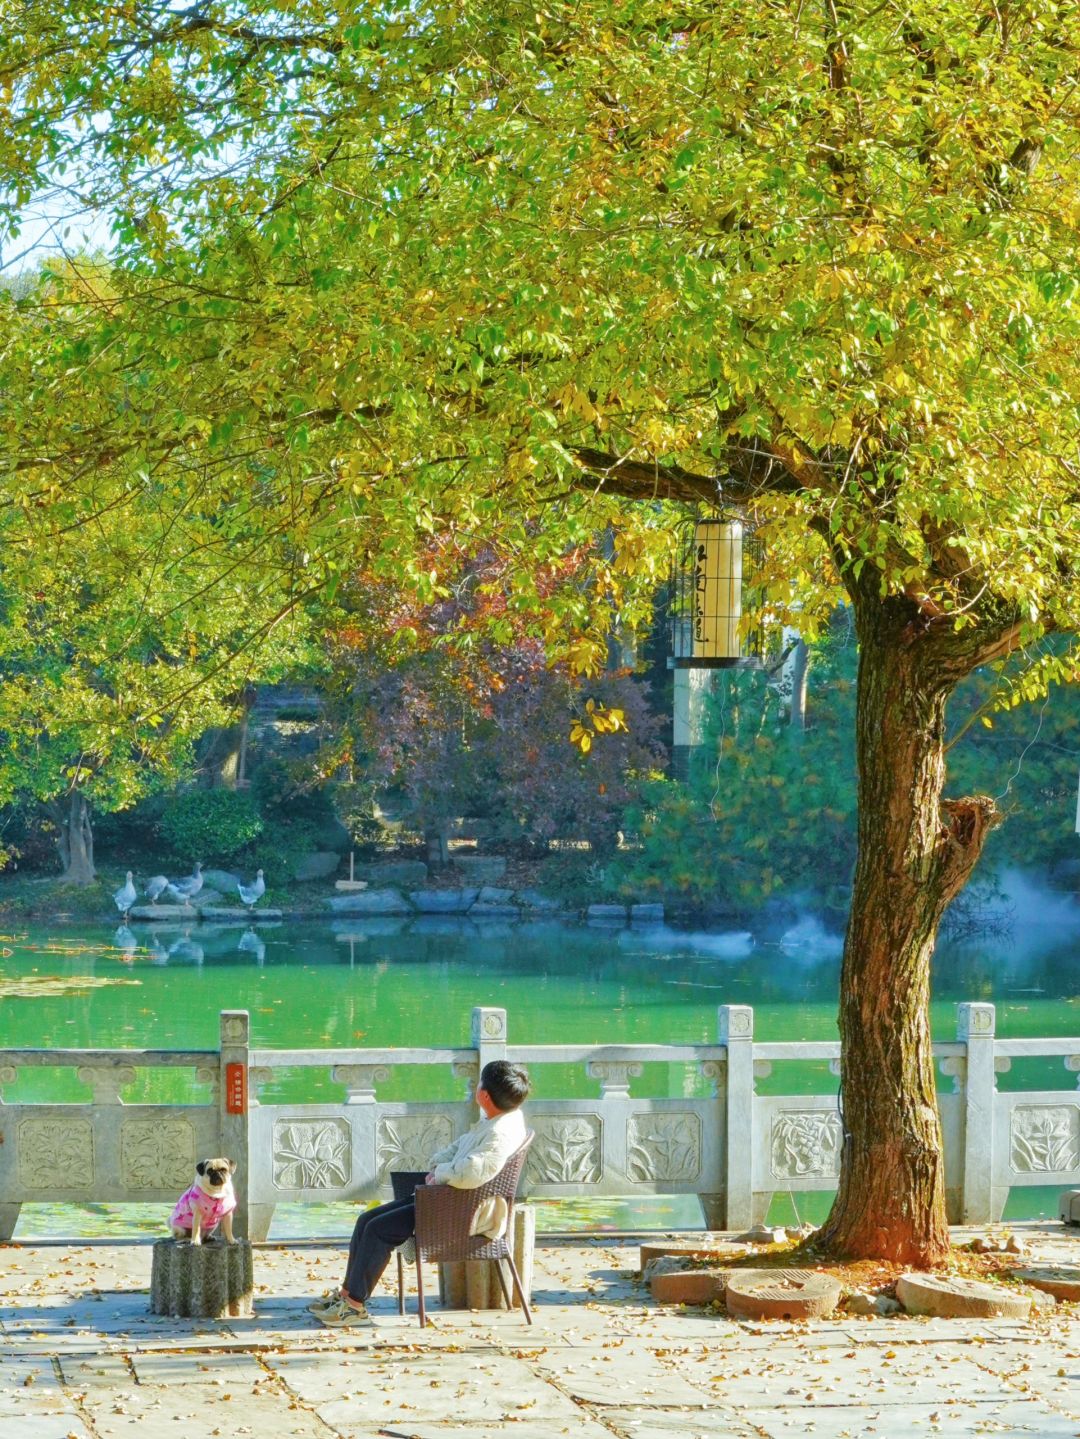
x,y
252,943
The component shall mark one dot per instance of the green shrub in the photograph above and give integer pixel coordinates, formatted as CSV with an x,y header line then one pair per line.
x,y
212,825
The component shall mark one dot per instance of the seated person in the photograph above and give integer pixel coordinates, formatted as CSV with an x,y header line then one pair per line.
x,y
469,1162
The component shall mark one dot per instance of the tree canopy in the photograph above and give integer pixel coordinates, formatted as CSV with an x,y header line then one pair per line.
x,y
525,271
443,255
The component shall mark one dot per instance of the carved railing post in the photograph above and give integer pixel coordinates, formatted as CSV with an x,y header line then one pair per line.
x,y
975,1027
735,1030
469,1071
106,1081
9,1213
235,1044
360,1080
614,1076
488,1034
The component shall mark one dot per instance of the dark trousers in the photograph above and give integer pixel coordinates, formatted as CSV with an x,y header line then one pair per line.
x,y
376,1234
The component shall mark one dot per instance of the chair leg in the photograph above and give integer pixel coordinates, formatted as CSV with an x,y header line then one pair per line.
x,y
400,1283
520,1292
502,1283
420,1290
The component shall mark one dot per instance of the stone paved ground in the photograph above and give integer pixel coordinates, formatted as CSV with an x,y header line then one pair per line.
x,y
80,1358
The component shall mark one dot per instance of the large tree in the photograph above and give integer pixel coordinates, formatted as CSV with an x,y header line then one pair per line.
x,y
456,264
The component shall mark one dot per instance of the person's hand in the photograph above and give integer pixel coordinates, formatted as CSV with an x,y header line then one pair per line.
x,y
429,1178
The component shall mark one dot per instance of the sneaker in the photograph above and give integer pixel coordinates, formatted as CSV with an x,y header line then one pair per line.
x,y
344,1316
328,1300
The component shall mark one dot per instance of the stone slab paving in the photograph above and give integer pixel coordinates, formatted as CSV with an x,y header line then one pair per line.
x,y
81,1358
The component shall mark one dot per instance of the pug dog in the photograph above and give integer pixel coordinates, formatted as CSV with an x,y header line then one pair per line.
x,y
209,1202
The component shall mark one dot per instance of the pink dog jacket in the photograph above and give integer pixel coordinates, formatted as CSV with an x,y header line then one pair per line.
x,y
211,1209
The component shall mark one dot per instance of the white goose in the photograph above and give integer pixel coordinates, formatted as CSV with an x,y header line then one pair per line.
x,y
125,896
252,893
185,890
156,887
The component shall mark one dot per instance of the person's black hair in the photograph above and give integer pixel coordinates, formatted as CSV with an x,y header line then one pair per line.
x,y
506,1083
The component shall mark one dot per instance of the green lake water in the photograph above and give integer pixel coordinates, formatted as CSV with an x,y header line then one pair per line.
x,y
389,983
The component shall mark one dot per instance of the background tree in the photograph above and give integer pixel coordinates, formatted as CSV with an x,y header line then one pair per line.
x,y
136,602
818,264
459,722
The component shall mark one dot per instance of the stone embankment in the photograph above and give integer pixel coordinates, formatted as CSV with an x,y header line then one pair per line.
x,y
403,888
487,902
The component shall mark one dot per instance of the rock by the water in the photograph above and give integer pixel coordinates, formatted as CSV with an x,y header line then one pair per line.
x,y
533,899
494,894
370,901
318,864
164,911
213,1280
394,871
443,901
647,913
237,911
480,868
481,911
606,913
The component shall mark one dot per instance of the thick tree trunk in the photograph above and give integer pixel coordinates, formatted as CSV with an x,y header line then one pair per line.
x,y
75,840
915,853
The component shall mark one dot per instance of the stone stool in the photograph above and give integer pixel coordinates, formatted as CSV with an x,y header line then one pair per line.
x,y
473,1283
202,1281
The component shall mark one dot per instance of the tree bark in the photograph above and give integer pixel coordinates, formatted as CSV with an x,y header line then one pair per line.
x,y
75,839
915,852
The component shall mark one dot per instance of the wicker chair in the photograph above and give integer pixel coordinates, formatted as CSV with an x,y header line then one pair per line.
x,y
443,1218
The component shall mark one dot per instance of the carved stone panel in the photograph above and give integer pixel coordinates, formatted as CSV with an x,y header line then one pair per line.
x,y
1045,1138
566,1150
56,1153
407,1141
312,1153
157,1154
663,1147
805,1144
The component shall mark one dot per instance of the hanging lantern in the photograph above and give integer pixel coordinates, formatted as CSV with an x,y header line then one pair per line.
x,y
709,599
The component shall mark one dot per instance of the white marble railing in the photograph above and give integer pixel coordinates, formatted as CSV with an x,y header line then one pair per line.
x,y
711,1134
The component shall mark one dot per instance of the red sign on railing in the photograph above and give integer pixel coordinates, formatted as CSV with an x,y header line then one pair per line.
x,y
236,1089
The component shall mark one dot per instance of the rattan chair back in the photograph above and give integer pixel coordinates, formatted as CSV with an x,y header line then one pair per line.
x,y
444,1215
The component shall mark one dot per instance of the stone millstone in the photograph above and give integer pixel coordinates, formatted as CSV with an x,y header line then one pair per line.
x,y
689,1286
1062,1280
202,1281
950,1297
712,1253
781,1294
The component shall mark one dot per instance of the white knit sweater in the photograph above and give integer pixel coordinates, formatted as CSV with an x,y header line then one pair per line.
x,y
480,1152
